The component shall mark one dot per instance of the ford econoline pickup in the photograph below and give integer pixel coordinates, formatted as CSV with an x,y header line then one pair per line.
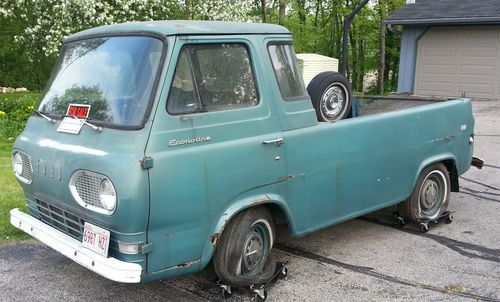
x,y
160,147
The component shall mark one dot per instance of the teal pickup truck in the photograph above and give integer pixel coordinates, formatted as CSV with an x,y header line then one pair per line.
x,y
159,147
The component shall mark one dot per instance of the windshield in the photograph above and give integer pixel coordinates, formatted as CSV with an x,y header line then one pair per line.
x,y
114,75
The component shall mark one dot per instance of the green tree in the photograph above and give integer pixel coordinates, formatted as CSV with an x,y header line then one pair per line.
x,y
86,95
31,32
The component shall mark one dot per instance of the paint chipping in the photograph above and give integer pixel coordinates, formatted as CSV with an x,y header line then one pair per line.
x,y
214,239
189,263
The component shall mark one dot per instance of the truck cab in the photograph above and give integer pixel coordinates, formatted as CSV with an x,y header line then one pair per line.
x,y
159,146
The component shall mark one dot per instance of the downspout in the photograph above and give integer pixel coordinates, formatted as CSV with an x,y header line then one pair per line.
x,y
393,30
345,43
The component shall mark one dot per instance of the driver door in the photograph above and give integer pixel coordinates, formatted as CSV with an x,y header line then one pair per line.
x,y
208,144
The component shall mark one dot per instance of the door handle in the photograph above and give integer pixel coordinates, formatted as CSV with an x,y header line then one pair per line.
x,y
277,141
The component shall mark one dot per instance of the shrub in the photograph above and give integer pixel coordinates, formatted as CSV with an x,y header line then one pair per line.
x,y
15,109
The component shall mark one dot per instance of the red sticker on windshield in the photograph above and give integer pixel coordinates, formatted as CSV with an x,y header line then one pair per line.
x,y
78,110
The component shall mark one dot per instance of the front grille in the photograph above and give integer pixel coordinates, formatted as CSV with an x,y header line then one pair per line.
x,y
58,218
87,185
27,171
64,221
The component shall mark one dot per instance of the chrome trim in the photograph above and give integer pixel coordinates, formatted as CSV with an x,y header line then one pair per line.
x,y
52,121
92,194
27,179
109,267
334,102
198,139
278,141
84,121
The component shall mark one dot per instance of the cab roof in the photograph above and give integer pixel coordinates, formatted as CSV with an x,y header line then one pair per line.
x,y
184,27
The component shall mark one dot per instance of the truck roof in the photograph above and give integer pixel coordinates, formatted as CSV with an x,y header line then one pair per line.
x,y
184,27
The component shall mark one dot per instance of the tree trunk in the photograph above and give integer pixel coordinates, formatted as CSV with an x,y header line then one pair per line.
x,y
281,20
302,11
361,70
338,34
354,61
189,15
316,14
381,65
263,11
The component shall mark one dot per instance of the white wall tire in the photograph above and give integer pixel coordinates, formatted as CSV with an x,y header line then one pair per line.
x,y
430,196
242,256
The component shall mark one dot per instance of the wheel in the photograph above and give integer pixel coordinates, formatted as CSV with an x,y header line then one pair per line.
x,y
241,257
423,228
331,96
430,196
449,219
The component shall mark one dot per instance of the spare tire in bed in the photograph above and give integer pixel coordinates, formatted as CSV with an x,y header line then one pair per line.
x,y
331,96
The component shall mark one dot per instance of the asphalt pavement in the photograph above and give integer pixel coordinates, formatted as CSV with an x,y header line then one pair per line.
x,y
365,259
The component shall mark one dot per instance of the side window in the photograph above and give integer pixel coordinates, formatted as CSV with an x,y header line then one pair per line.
x,y
212,77
287,74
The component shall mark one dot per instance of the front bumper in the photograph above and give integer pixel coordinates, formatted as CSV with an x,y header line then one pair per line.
x,y
110,268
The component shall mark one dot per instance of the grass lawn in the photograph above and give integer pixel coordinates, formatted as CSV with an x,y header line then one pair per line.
x,y
11,194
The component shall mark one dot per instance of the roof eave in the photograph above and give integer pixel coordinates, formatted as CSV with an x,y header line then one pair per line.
x,y
442,21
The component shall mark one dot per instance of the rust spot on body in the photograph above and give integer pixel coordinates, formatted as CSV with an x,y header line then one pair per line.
x,y
189,263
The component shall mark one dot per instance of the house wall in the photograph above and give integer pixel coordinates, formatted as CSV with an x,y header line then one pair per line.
x,y
408,57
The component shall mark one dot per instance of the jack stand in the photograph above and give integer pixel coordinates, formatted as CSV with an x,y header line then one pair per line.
x,y
423,224
260,293
226,290
398,220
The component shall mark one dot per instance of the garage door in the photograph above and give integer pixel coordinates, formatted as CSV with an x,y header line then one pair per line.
x,y
456,60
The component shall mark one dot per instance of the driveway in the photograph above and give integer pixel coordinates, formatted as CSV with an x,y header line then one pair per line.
x,y
365,259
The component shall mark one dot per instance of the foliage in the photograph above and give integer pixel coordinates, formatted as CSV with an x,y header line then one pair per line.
x,y
36,29
11,195
87,95
16,70
48,22
31,33
15,109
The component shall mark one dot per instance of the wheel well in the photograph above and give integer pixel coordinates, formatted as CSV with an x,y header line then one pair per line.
x,y
452,170
279,217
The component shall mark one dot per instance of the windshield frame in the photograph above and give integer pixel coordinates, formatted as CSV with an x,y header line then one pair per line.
x,y
154,89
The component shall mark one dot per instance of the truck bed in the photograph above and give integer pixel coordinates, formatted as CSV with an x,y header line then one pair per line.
x,y
363,106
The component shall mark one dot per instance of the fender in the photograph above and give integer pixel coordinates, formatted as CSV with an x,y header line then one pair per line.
x,y
235,206
436,159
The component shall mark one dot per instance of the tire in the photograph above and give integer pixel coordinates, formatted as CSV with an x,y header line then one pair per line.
x,y
431,194
242,257
331,96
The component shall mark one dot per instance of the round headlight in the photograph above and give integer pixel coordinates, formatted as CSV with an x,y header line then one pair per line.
x,y
107,195
17,163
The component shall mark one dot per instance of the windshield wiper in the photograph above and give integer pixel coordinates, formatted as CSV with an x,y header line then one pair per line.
x,y
51,120
96,128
